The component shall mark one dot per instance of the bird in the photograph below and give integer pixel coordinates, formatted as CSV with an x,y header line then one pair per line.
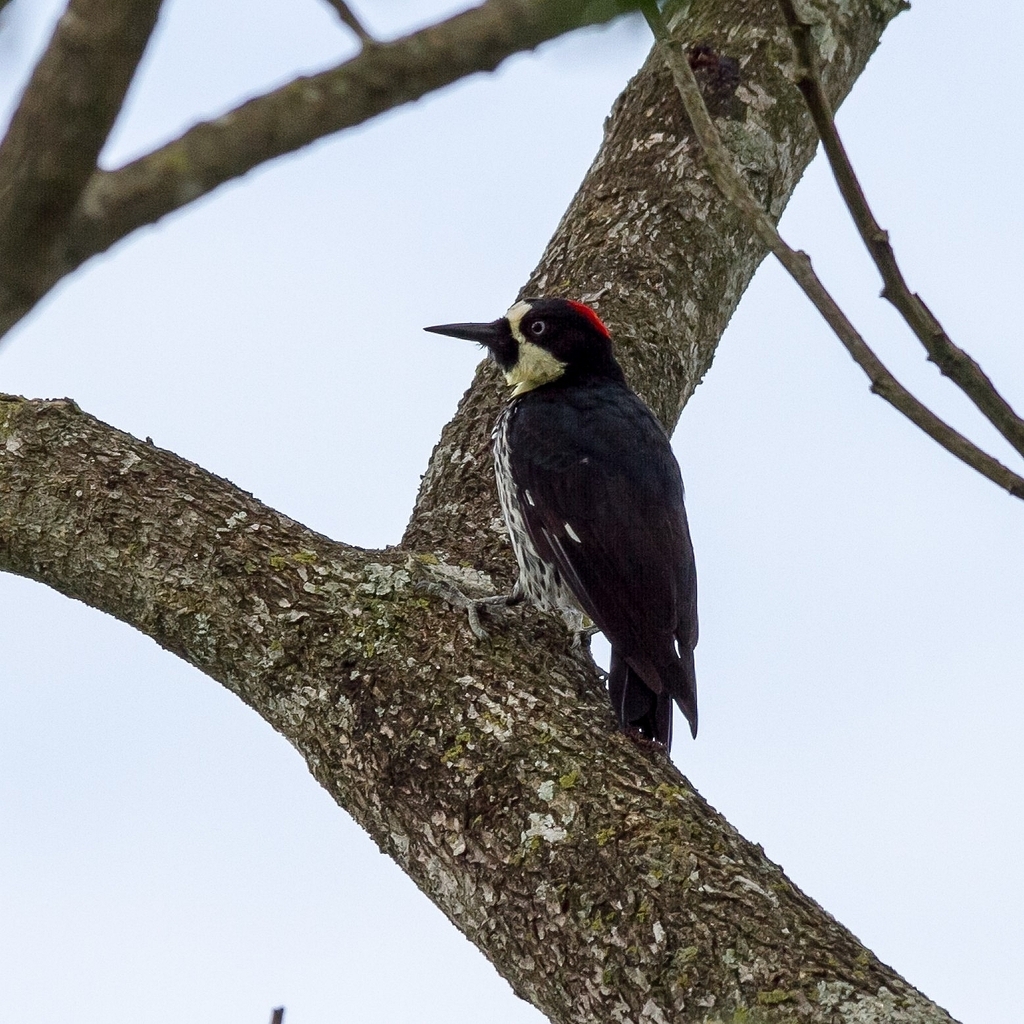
x,y
592,497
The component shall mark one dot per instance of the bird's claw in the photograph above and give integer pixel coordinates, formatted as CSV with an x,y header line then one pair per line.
x,y
581,637
471,605
644,742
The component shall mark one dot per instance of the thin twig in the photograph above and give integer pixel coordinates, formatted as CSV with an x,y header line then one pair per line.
x,y
951,360
798,264
278,1016
348,17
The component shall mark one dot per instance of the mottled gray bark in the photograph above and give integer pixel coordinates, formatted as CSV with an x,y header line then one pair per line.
x,y
587,869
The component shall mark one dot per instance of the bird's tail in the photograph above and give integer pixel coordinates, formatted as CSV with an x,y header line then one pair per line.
x,y
640,707
637,705
680,679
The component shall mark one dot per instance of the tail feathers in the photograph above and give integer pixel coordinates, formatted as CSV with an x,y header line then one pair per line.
x,y
637,706
649,712
680,679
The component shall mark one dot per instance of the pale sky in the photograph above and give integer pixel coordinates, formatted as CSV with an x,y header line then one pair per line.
x,y
166,857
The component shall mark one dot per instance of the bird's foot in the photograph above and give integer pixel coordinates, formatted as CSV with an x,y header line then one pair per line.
x,y
580,647
581,637
472,606
642,741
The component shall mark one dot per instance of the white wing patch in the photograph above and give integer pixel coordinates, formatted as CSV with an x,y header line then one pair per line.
x,y
570,531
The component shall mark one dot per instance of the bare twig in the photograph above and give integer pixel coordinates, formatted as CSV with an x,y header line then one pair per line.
x,y
798,264
951,360
277,1017
61,124
379,78
348,17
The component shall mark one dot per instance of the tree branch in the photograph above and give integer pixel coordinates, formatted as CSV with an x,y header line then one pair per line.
x,y
347,16
952,361
380,78
493,774
798,264
590,873
59,128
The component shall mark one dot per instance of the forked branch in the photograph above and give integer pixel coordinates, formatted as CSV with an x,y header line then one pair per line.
x,y
62,121
587,870
798,264
348,16
108,205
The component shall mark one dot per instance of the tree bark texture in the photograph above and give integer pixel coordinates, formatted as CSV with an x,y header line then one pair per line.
x,y
587,869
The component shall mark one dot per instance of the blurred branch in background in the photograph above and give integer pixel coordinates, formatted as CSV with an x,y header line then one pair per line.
x,y
723,169
589,871
61,123
346,14
43,239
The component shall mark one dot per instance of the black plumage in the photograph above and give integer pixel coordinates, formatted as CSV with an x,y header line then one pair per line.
x,y
593,498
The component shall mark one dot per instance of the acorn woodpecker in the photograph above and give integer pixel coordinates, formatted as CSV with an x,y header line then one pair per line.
x,y
593,500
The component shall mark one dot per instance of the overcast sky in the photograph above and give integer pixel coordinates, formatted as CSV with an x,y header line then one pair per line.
x,y
166,857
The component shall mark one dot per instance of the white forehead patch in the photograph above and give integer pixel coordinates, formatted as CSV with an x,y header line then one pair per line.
x,y
514,316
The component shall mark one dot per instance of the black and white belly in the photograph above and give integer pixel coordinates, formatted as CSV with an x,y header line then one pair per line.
x,y
539,579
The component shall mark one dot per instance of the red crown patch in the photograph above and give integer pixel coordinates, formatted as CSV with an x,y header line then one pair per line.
x,y
591,316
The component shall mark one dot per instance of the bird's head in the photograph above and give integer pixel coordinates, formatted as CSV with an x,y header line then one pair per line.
x,y
539,341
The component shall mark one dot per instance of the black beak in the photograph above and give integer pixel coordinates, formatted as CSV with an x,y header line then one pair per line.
x,y
490,335
496,337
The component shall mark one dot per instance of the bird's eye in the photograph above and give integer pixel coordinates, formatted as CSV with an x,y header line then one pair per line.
x,y
537,328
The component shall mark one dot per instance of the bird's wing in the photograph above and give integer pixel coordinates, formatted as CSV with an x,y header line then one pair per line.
x,y
602,498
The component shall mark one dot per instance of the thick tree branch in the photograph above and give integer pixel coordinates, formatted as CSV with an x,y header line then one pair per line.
x,y
380,78
951,360
59,128
798,264
493,774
